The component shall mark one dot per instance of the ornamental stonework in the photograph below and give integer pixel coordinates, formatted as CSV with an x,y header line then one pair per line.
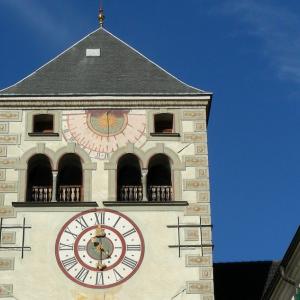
x,y
3,151
202,172
191,234
206,273
6,264
6,290
189,115
200,126
206,234
198,261
8,237
4,127
7,163
199,287
8,187
197,210
201,149
10,139
196,184
196,161
194,137
203,197
2,175
7,212
12,116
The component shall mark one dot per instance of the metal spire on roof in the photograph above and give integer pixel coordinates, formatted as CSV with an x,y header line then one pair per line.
x,y
101,16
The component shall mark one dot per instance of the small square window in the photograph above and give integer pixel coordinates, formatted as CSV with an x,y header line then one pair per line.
x,y
163,123
43,123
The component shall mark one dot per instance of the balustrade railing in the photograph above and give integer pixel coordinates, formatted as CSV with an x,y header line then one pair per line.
x,y
160,193
41,193
69,193
66,193
131,193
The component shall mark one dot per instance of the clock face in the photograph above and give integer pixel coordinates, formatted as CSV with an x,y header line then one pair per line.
x,y
101,132
99,248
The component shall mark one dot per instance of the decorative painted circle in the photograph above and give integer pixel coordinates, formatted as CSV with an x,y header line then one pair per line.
x,y
107,123
101,132
99,248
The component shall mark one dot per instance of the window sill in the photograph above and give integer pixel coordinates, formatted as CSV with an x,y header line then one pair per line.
x,y
155,136
165,134
34,134
54,204
123,203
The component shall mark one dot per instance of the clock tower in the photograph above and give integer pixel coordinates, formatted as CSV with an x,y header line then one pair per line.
x,y
104,181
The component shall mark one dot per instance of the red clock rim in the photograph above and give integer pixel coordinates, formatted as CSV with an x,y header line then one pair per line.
x,y
109,285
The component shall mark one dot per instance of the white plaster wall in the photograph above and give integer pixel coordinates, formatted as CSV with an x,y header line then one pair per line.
x,y
161,275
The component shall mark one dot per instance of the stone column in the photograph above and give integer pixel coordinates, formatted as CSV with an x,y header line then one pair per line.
x,y
54,185
144,183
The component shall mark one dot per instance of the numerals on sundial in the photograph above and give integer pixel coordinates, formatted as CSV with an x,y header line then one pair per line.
x,y
100,132
99,248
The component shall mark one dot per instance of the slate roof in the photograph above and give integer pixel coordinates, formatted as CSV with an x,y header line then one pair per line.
x,y
120,70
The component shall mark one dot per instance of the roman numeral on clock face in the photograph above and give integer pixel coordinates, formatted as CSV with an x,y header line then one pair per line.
x,y
81,221
82,274
64,247
129,232
118,276
130,263
71,233
99,278
100,218
133,247
69,263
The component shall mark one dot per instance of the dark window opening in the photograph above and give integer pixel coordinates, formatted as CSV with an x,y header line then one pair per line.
x,y
159,179
129,183
39,179
69,179
163,123
43,123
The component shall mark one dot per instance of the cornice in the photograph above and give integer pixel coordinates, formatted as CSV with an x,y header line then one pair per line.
x,y
94,102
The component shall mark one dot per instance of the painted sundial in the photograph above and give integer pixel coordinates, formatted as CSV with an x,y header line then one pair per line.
x,y
101,132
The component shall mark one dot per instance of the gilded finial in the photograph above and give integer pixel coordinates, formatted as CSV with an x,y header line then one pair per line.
x,y
101,17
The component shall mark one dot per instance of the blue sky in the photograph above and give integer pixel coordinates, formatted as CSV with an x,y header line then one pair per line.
x,y
245,51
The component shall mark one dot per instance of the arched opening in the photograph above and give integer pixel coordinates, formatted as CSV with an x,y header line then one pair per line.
x,y
163,123
159,179
69,179
129,183
43,123
39,179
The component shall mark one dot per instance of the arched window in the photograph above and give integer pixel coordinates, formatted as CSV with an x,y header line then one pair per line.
x,y
43,123
39,179
69,179
159,179
163,123
129,184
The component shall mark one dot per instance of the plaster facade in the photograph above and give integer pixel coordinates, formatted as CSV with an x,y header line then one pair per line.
x,y
163,274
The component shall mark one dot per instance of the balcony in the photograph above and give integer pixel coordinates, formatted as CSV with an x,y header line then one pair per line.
x,y
67,193
41,194
160,193
131,193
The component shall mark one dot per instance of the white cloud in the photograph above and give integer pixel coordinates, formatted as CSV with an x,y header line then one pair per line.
x,y
278,28
35,15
